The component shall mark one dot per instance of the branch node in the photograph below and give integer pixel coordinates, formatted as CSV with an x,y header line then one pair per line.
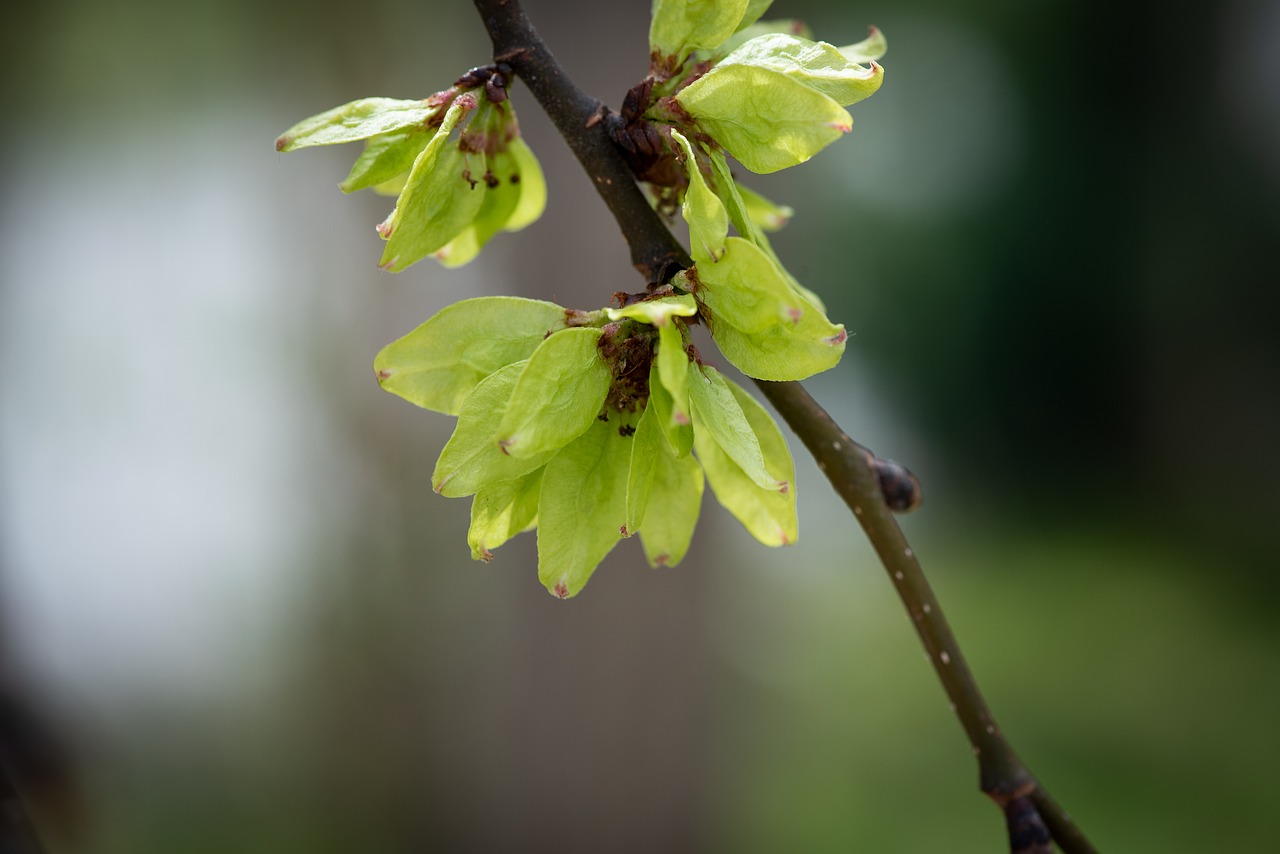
x,y
600,114
508,55
1027,831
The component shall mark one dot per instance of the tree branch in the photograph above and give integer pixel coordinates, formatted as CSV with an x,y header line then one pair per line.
x,y
584,122
1032,817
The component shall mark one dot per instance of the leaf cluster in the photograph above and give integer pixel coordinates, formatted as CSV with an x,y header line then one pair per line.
x,y
454,191
593,426
590,427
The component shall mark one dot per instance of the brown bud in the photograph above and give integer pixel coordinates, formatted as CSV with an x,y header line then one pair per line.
x,y
901,489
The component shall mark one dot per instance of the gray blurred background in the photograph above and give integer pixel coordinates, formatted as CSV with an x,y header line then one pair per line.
x,y
235,617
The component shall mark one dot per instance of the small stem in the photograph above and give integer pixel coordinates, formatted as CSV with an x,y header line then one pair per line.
x,y
1031,814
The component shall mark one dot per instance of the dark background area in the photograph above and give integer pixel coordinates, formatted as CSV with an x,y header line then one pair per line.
x,y
236,618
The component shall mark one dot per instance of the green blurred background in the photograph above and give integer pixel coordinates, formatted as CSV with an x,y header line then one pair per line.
x,y
235,618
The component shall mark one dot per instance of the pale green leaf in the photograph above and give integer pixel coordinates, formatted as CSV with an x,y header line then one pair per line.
x,y
533,186
676,424
386,157
769,515
702,209
671,515
734,195
481,140
767,215
765,119
515,196
762,241
673,372
647,445
718,416
818,65
464,248
438,364
558,396
871,48
392,186
792,26
501,511
730,192
583,506
656,312
472,459
355,121
743,220
681,26
760,321
440,199
812,297
437,204
501,197
755,8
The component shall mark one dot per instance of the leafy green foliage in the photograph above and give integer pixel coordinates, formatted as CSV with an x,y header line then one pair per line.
x,y
674,483
702,209
669,398
583,507
765,119
385,157
362,119
647,449
593,426
453,194
740,215
545,440
768,513
558,396
671,517
755,9
657,312
438,364
515,195
870,49
817,65
681,26
473,458
764,214
439,201
717,415
501,511
746,34
760,321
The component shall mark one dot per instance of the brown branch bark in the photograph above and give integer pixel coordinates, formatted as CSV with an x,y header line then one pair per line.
x,y
1031,815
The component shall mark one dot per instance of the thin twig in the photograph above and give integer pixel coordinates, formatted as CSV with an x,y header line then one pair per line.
x,y
1031,814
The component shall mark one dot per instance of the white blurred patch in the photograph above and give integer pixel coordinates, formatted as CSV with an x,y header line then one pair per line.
x,y
157,430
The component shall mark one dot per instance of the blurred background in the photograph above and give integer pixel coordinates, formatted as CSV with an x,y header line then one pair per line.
x,y
235,617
